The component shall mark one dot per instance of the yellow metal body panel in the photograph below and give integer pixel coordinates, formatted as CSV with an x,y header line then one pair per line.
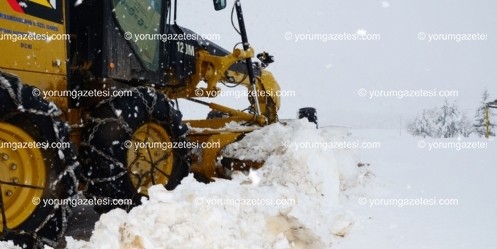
x,y
33,48
213,69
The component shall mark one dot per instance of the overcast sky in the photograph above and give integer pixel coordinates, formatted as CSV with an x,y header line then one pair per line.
x,y
328,75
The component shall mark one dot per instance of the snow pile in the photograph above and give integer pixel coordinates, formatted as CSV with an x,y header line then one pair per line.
x,y
294,201
8,245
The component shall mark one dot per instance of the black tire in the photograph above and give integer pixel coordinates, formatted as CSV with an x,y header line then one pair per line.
x,y
103,153
40,119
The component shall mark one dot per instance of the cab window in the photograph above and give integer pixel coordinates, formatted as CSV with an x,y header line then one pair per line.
x,y
140,21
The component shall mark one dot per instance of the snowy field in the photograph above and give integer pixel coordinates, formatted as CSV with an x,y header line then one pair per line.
x,y
457,186
328,188
404,195
373,186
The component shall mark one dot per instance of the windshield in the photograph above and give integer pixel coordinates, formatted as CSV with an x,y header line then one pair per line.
x,y
140,21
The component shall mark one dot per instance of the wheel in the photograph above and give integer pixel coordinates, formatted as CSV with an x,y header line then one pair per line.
x,y
310,114
115,161
33,174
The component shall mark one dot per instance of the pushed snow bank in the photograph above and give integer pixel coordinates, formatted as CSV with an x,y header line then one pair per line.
x,y
8,245
294,201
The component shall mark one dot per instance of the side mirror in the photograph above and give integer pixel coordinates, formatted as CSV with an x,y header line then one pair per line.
x,y
219,4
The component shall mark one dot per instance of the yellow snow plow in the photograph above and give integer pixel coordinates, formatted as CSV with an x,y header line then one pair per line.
x,y
88,102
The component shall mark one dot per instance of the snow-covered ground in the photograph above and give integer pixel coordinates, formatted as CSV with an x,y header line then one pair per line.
x,y
8,245
293,201
375,189
326,188
461,181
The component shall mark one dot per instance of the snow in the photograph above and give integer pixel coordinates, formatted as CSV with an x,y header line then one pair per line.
x,y
362,32
337,203
8,245
78,2
232,126
406,171
61,154
342,198
445,121
288,203
118,112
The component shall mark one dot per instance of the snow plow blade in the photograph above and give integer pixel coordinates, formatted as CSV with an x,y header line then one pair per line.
x,y
208,162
